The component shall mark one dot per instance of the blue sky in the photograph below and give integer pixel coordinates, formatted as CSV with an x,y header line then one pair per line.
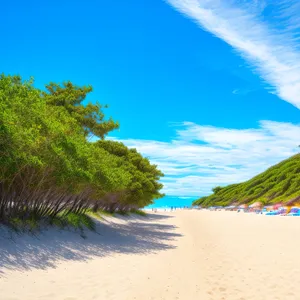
x,y
208,90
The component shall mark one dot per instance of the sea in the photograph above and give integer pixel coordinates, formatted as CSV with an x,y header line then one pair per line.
x,y
172,201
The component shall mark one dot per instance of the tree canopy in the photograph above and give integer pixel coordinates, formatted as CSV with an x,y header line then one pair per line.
x,y
47,163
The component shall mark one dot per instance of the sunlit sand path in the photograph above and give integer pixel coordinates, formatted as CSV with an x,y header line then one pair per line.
x,y
173,255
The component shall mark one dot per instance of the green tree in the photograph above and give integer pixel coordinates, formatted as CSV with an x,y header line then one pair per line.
x,y
47,164
89,116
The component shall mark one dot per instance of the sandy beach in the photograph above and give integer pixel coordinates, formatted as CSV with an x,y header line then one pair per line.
x,y
168,255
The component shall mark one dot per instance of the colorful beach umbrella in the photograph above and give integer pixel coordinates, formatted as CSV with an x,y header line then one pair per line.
x,y
276,206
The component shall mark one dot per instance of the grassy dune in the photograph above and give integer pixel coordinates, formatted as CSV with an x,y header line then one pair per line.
x,y
280,183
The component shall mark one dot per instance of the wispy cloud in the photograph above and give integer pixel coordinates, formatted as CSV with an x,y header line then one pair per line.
x,y
201,157
242,91
265,33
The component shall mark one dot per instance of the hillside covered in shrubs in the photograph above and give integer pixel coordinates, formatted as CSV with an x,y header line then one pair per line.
x,y
48,165
278,184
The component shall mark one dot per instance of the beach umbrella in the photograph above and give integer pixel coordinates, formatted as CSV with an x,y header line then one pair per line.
x,y
276,206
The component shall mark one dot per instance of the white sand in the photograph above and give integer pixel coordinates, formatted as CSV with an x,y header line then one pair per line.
x,y
179,255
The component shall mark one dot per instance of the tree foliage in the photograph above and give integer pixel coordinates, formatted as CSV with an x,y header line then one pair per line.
x,y
71,98
47,164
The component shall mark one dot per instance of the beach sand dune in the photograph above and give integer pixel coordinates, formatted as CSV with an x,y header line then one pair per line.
x,y
169,255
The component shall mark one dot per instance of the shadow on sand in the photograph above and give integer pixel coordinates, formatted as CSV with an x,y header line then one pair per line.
x,y
126,235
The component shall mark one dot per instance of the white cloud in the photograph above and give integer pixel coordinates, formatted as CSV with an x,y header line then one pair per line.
x,y
242,91
269,43
201,157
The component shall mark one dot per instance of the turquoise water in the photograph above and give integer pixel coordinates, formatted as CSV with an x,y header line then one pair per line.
x,y
174,201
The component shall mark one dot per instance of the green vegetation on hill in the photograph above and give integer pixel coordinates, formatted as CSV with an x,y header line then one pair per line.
x,y
48,167
280,183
